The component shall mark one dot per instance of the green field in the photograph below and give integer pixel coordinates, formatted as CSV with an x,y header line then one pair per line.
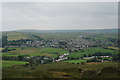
x,y
31,51
92,50
12,63
54,52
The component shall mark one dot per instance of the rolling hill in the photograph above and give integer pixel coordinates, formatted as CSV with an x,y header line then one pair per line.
x,y
59,34
13,35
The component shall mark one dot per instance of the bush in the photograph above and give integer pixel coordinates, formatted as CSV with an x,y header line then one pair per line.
x,y
102,54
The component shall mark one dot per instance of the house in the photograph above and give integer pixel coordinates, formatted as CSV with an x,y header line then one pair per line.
x,y
88,57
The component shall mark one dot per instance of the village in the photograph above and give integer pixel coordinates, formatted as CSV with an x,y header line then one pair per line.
x,y
72,45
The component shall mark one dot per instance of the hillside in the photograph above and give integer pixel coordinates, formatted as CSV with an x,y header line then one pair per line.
x,y
12,35
62,70
56,31
60,34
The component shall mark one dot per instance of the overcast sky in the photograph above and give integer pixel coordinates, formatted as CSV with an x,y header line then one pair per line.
x,y
59,15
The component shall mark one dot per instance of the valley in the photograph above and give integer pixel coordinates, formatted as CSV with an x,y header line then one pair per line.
x,y
62,53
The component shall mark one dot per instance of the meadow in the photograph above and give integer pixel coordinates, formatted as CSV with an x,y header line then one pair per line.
x,y
32,51
12,63
54,52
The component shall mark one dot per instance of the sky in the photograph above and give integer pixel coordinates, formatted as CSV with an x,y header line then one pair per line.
x,y
59,15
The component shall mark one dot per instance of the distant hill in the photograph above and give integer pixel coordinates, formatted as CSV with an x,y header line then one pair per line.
x,y
58,34
13,35
61,31
54,31
103,30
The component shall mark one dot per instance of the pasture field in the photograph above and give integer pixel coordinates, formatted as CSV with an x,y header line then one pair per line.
x,y
31,51
91,50
54,52
116,48
12,63
1,48
9,54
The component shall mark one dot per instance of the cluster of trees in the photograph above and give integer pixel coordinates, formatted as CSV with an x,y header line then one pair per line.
x,y
98,58
6,50
72,58
15,58
37,37
31,60
102,54
116,57
18,42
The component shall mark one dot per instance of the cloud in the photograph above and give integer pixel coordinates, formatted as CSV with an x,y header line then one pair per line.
x,y
59,15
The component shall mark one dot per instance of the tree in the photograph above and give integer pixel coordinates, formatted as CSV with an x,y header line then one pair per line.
x,y
116,57
21,58
81,57
85,55
102,54
89,55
